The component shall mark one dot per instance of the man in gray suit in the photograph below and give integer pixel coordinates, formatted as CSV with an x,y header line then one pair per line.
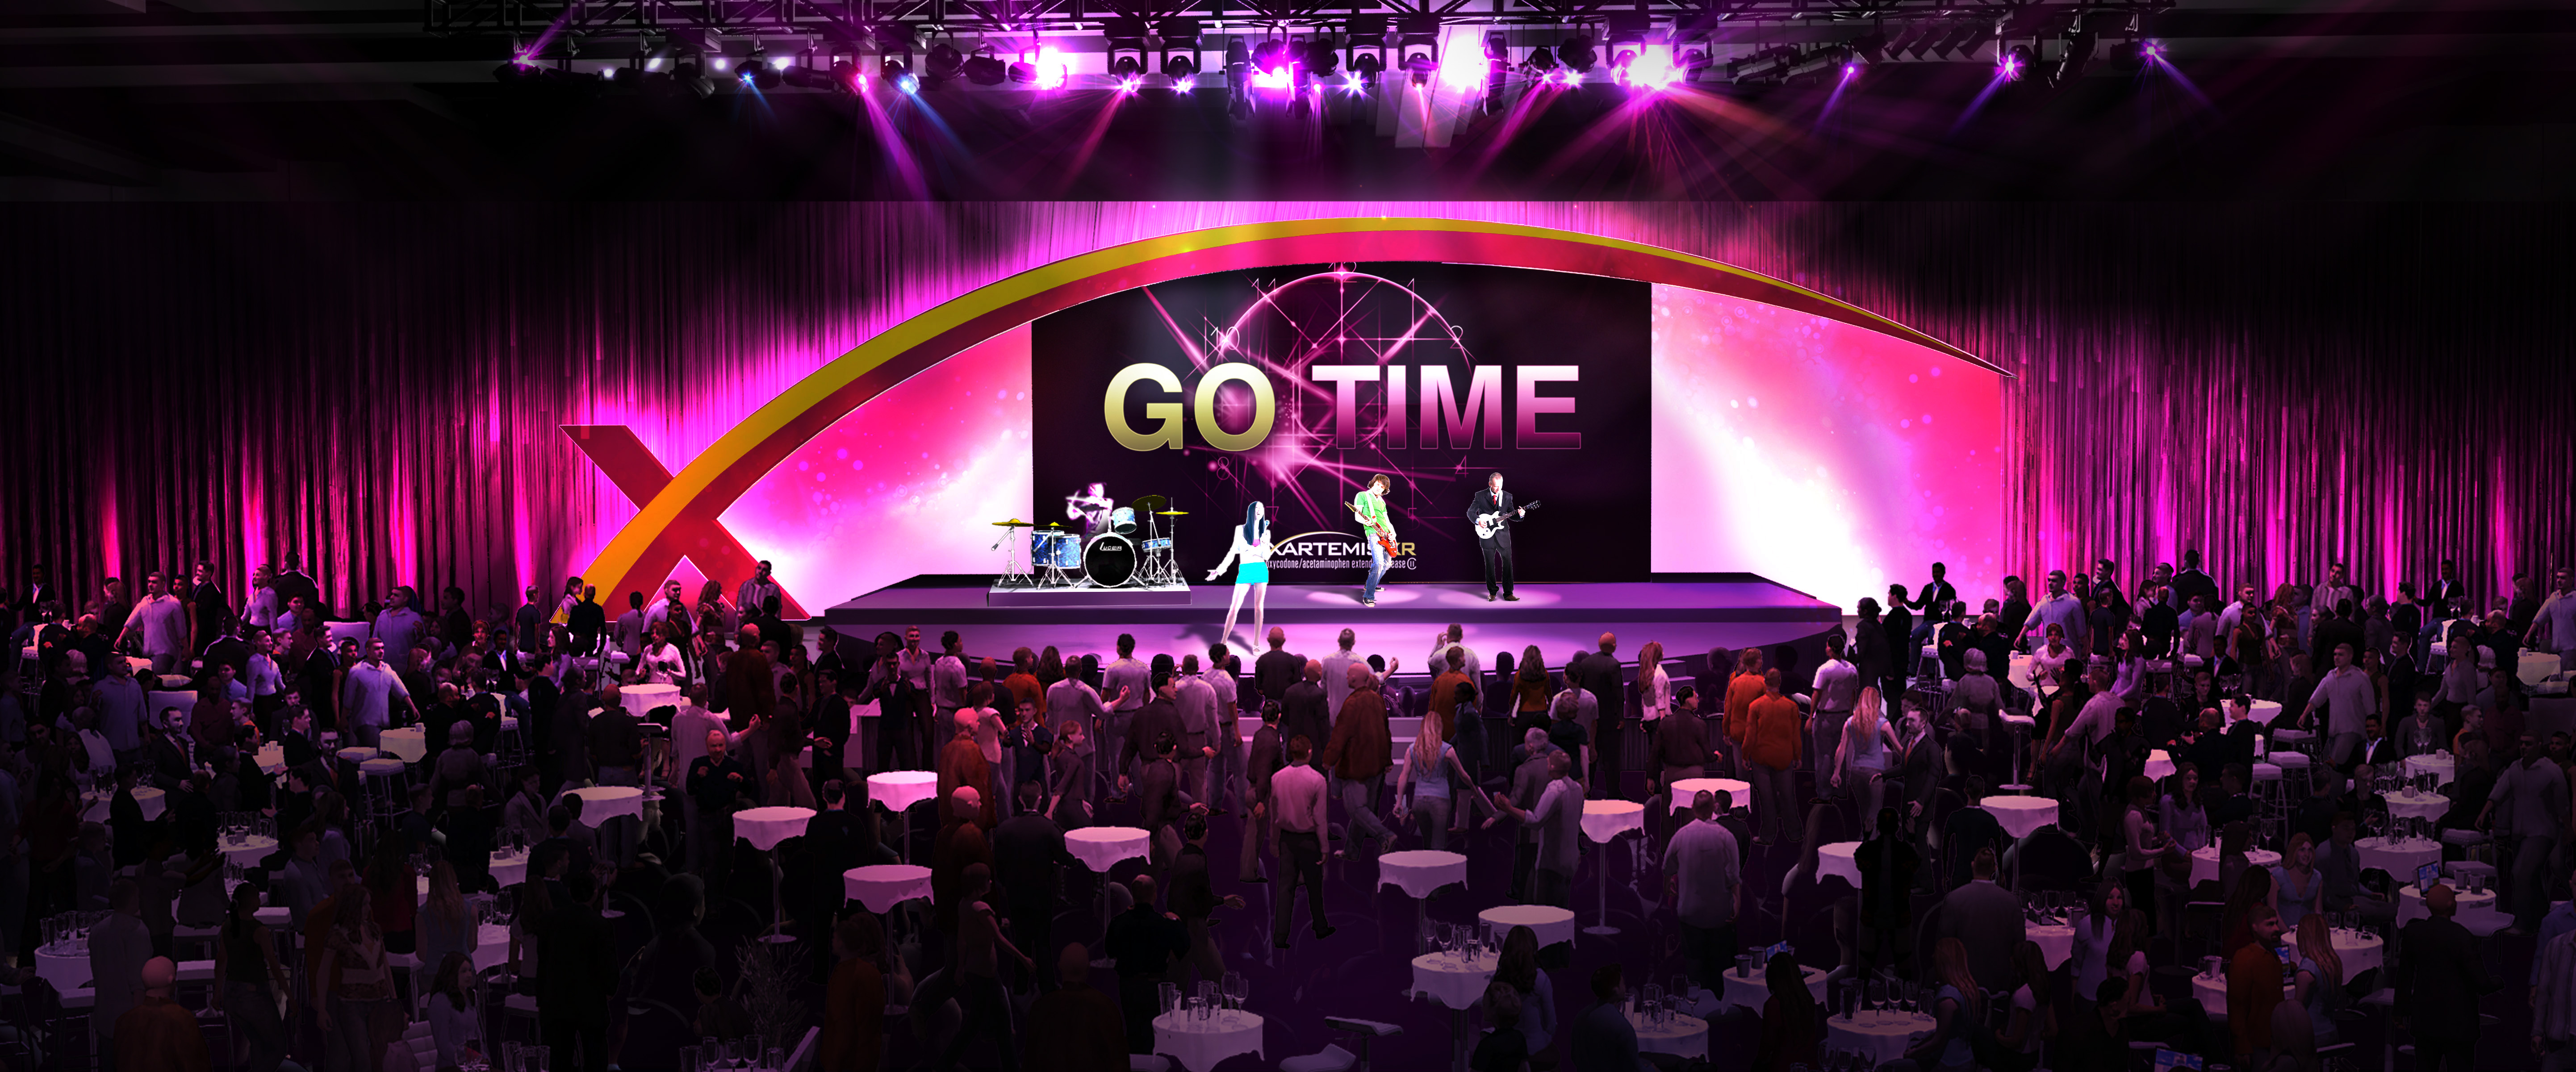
x,y
1987,919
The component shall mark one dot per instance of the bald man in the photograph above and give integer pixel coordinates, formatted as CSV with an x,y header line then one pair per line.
x,y
960,842
719,785
158,1033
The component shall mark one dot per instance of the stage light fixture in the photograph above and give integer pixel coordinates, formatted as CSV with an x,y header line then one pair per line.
x,y
1541,59
1497,48
2013,63
1130,84
1418,29
1125,67
845,75
759,72
1367,67
1179,68
1653,68
893,71
907,84
984,68
945,63
1322,59
1577,53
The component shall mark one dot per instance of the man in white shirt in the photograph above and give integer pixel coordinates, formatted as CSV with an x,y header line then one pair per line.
x,y
1559,818
122,710
1297,839
2557,620
1449,638
2347,696
368,692
2059,609
1836,692
630,629
398,625
1225,769
2070,760
159,624
2338,587
947,684
261,676
1704,878
1130,682
2246,599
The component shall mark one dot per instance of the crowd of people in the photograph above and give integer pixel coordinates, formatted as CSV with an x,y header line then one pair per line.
x,y
1879,748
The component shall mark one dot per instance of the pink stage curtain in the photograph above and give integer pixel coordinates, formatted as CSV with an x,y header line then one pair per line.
x,y
378,387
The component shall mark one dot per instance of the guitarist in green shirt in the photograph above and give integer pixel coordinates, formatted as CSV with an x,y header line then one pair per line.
x,y
1376,532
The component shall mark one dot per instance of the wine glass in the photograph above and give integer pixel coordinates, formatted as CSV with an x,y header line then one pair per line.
x,y
1239,987
1876,995
1654,995
1681,985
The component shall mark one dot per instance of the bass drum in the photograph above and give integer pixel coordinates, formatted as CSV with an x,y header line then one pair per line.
x,y
1110,561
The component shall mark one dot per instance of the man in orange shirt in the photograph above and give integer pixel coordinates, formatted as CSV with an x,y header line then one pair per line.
x,y
1741,690
1771,740
1444,691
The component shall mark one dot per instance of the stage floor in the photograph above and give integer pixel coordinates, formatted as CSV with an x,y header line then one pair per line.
x,y
1687,616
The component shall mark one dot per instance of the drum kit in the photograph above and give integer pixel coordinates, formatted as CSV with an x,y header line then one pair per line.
x,y
1118,557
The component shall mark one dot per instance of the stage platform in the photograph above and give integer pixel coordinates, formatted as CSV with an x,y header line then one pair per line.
x,y
1689,615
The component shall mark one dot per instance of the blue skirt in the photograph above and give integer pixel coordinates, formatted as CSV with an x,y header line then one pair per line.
x,y
1252,573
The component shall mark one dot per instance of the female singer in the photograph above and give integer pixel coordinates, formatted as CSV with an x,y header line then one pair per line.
x,y
1251,551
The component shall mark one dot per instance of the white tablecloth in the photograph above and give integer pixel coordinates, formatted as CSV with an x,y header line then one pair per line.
x,y
899,790
356,753
600,803
640,700
2437,764
2360,951
2204,864
883,886
1751,992
509,868
149,799
2160,765
1199,1045
1454,980
2410,903
2535,667
2056,940
1550,923
1683,1036
1101,847
1883,1035
1419,871
68,971
491,947
249,851
2019,672
1688,788
1607,819
2398,858
766,827
2020,815
2263,711
409,744
2409,804
1836,859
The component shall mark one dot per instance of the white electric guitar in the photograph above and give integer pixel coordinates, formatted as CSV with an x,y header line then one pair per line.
x,y
1489,524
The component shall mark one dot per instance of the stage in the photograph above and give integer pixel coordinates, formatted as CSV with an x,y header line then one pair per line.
x,y
1689,615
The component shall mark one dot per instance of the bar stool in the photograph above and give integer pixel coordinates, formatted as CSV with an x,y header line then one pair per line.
x,y
388,782
2303,742
512,747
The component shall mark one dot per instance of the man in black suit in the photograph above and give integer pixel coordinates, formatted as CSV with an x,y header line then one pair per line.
x,y
1027,850
1497,547
2438,985
576,977
1305,710
1598,673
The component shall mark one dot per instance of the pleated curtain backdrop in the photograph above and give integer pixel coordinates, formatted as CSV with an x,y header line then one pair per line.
x,y
378,387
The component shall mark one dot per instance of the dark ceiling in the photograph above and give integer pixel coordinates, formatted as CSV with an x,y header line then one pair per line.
x,y
323,99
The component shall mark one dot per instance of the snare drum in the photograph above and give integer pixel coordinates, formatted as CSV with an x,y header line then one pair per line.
x,y
1159,543
1123,521
1059,549
1110,561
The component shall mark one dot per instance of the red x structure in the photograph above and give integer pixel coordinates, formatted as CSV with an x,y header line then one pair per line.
x,y
635,471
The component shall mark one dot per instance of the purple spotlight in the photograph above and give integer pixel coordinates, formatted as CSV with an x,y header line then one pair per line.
x,y
2008,66
1130,84
1851,71
2153,51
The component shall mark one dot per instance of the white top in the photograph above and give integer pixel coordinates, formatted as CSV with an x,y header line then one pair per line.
x,y
1654,693
1246,553
367,690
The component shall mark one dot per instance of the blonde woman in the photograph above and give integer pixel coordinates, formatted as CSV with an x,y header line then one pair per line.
x,y
1869,750
1654,690
1437,779
1250,556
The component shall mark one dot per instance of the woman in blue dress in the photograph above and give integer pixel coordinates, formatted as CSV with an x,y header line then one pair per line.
x,y
1251,558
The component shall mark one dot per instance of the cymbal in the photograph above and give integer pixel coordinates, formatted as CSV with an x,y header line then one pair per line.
x,y
1053,525
1150,503
1173,513
1014,523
